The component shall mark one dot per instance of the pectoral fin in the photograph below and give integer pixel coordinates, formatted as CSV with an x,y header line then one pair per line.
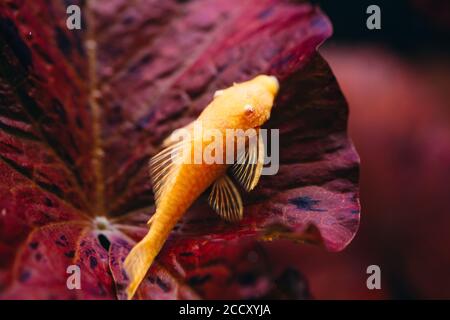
x,y
226,200
250,161
162,167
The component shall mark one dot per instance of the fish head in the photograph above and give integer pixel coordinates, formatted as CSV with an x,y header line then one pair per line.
x,y
247,104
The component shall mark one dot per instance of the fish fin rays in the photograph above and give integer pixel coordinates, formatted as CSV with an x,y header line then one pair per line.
x,y
250,162
163,166
226,200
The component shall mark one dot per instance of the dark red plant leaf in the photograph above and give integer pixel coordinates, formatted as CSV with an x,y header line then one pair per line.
x,y
401,129
82,111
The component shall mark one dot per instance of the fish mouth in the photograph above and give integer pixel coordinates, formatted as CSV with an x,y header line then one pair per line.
x,y
273,85
269,83
275,82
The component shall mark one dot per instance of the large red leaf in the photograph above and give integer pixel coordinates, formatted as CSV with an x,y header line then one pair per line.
x,y
82,112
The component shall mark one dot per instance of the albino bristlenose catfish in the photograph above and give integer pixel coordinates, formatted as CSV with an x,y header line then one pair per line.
x,y
178,180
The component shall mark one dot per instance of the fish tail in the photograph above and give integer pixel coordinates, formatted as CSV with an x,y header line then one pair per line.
x,y
137,263
141,257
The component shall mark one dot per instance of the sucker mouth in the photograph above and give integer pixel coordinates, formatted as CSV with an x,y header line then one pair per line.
x,y
274,85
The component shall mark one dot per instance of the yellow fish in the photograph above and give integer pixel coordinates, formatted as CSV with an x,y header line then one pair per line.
x,y
179,178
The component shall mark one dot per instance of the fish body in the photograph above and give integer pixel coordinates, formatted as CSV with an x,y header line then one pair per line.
x,y
178,180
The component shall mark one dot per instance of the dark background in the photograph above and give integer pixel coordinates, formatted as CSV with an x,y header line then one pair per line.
x,y
397,84
409,27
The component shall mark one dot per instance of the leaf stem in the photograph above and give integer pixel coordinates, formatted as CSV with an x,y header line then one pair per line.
x,y
97,150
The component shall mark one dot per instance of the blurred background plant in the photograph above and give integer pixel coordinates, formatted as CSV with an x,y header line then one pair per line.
x,y
396,81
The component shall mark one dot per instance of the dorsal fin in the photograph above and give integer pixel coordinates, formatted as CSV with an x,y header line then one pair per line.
x,y
226,200
250,161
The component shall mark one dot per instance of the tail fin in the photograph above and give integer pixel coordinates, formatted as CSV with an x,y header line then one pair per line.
x,y
137,263
143,254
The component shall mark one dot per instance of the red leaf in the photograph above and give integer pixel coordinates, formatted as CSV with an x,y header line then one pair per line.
x,y
83,110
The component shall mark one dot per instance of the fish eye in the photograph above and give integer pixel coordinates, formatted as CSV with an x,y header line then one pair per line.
x,y
249,109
